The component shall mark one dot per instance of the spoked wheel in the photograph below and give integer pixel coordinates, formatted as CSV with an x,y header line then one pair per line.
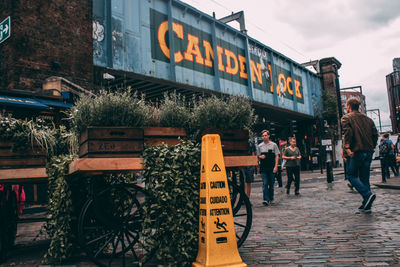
x,y
2,227
242,213
236,197
110,226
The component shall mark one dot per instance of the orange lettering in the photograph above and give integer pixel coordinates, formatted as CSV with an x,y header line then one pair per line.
x,y
271,88
193,48
281,84
288,82
162,30
297,87
256,71
229,56
220,50
242,62
209,53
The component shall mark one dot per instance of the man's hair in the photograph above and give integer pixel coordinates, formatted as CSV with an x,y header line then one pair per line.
x,y
265,131
386,135
292,138
353,102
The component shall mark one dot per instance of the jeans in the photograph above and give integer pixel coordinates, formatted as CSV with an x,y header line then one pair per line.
x,y
296,172
268,179
359,167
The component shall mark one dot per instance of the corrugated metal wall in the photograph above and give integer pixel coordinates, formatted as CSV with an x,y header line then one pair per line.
x,y
133,36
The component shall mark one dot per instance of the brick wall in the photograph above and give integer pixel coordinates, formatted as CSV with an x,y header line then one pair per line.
x,y
48,38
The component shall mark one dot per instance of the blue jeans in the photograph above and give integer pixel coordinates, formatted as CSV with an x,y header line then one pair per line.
x,y
268,179
357,170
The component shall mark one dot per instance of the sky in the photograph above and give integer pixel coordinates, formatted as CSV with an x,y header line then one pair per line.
x,y
364,35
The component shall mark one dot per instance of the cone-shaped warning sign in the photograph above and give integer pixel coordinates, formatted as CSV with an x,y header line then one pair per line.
x,y
217,237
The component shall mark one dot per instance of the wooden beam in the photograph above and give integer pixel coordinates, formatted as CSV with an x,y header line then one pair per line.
x,y
240,161
24,175
105,164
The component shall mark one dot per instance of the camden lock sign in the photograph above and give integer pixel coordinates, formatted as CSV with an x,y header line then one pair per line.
x,y
194,50
5,29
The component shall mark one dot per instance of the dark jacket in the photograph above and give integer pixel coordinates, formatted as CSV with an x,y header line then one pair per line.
x,y
359,132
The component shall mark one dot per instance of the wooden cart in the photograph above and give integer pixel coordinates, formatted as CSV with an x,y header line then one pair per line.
x,y
110,237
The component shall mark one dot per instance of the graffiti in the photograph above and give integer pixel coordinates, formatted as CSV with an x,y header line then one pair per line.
x,y
98,31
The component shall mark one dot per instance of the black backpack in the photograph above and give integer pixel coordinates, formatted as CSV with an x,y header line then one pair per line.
x,y
384,148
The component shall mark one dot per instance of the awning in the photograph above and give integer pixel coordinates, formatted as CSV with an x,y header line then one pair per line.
x,y
53,103
21,102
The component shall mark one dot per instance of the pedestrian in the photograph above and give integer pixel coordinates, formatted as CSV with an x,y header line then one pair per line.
x,y
248,171
292,156
396,152
387,157
360,137
268,154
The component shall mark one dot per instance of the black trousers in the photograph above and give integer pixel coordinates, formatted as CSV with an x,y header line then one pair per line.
x,y
293,171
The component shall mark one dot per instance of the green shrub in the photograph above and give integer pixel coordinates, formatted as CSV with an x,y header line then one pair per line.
x,y
110,109
25,134
172,178
174,111
232,112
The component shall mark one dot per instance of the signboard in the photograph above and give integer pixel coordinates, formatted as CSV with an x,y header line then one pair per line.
x,y
5,29
207,54
326,142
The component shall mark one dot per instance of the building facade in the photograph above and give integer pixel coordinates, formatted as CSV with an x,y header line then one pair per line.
x,y
393,90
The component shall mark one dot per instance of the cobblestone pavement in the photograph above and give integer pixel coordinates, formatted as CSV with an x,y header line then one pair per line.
x,y
320,227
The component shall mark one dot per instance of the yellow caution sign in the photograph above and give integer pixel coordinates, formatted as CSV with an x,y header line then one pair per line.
x,y
217,237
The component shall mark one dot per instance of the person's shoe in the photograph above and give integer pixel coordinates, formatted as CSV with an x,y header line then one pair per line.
x,y
265,203
287,191
368,203
271,202
350,186
297,193
280,189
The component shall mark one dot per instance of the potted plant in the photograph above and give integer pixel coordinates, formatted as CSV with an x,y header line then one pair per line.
x,y
231,117
25,143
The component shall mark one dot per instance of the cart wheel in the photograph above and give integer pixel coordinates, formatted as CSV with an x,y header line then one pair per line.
x,y
236,197
242,213
110,226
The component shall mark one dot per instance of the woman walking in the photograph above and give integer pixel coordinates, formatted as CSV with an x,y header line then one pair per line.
x,y
292,156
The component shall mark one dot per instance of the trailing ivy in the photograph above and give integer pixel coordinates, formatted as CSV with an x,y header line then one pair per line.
x,y
61,210
172,178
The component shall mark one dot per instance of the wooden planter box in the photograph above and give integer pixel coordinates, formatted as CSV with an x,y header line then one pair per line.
x,y
32,158
234,142
111,142
157,135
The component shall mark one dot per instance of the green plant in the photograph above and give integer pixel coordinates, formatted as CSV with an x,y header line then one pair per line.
x,y
26,134
174,111
172,178
232,112
110,109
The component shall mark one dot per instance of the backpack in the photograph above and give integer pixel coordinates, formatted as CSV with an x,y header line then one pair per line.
x,y
384,148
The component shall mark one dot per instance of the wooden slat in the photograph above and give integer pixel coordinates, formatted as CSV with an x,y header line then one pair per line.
x,y
105,164
240,161
163,131
23,175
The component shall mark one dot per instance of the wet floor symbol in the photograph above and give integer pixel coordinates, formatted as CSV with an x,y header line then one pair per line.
x,y
220,225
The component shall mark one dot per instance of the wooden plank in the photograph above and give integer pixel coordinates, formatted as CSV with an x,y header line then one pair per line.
x,y
25,175
111,133
105,164
240,161
22,162
163,131
158,141
102,146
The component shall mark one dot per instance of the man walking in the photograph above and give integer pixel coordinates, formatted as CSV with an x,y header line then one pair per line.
x,y
268,153
360,137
